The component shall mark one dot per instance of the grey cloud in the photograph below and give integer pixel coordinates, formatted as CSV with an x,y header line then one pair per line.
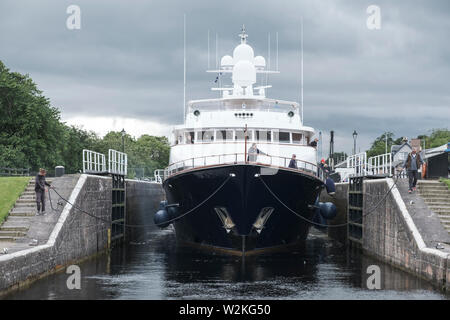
x,y
127,60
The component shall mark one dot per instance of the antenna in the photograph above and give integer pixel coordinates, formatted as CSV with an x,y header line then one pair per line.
x,y
301,45
277,49
208,51
217,60
268,58
184,67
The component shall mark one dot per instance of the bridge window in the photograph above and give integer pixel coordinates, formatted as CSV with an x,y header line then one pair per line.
x,y
223,135
281,136
189,137
296,138
263,135
207,136
240,135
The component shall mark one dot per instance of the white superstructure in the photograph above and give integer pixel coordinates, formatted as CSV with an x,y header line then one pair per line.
x,y
213,129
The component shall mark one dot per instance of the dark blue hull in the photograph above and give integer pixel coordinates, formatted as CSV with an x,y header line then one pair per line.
x,y
244,199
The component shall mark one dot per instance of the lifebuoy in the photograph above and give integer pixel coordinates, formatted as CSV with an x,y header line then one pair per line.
x,y
424,170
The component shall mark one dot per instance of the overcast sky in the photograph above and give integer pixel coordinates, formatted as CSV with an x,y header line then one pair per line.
x,y
124,67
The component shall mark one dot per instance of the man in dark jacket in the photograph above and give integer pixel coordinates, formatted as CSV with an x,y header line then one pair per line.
x,y
293,162
39,188
412,164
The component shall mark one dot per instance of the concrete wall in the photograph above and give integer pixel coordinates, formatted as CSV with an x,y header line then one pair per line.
x,y
142,200
340,200
391,235
74,236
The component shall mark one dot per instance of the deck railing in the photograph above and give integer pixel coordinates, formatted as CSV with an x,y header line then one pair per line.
x,y
237,158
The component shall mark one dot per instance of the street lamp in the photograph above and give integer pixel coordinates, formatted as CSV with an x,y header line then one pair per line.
x,y
123,141
355,134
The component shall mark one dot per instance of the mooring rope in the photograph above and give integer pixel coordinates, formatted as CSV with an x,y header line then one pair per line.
x,y
384,197
143,225
297,214
331,226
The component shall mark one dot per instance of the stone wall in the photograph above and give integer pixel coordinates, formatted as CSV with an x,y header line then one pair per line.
x,y
75,236
142,200
391,235
340,200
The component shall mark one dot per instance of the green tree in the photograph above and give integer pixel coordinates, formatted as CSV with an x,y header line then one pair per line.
x,y
379,145
31,128
438,137
75,140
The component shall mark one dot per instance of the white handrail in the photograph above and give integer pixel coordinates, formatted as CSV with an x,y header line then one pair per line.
x,y
235,158
93,162
117,162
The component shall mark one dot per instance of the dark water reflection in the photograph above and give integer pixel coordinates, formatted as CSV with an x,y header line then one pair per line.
x,y
159,269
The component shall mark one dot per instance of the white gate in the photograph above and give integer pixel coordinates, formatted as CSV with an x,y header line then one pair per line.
x,y
381,164
117,162
93,162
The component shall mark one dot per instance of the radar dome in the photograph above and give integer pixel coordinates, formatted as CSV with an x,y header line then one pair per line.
x,y
260,62
244,73
243,52
226,61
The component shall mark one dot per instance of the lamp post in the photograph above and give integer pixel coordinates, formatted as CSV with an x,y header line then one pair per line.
x,y
123,141
355,134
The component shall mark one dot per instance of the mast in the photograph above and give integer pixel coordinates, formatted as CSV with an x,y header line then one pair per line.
x,y
184,67
301,45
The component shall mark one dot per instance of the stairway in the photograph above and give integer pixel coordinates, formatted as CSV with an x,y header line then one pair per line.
x,y
437,197
19,218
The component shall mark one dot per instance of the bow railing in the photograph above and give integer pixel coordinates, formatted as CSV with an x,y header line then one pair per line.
x,y
240,158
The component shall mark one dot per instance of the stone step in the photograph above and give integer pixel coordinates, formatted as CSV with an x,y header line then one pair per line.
x,y
440,200
14,227
25,204
29,198
12,234
22,214
437,204
28,193
432,186
26,201
7,239
23,209
434,194
433,190
428,181
440,211
19,220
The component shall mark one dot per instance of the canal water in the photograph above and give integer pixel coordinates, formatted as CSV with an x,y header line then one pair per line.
x,y
158,268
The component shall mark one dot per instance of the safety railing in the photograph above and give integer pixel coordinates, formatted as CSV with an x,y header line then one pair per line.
x,y
160,175
358,162
117,162
14,172
93,162
380,165
239,158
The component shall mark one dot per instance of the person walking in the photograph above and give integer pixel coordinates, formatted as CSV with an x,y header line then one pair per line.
x,y
39,188
293,162
253,153
412,164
